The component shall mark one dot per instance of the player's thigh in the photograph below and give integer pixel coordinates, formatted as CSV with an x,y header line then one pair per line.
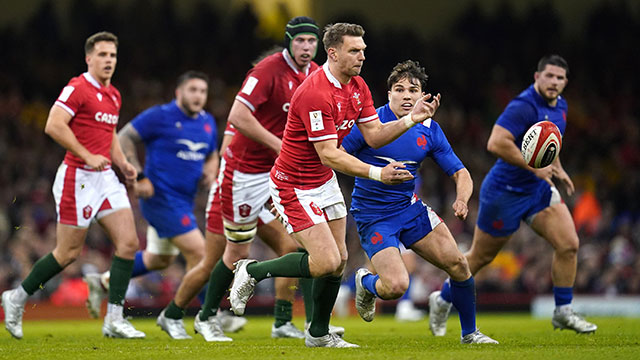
x,y
276,237
324,255
191,245
439,247
388,264
69,243
555,224
121,229
339,231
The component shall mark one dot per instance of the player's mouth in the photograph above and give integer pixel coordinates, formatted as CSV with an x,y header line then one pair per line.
x,y
108,68
407,106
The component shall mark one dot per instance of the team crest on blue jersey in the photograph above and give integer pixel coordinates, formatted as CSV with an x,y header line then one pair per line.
x,y
422,142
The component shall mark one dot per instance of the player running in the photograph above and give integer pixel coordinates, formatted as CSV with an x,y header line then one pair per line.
x,y
513,191
179,139
258,116
83,120
303,185
387,215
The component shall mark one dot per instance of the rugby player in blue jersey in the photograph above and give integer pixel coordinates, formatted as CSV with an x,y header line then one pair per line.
x,y
387,215
180,142
513,192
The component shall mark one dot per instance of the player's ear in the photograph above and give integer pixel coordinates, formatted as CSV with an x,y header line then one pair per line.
x,y
536,75
389,95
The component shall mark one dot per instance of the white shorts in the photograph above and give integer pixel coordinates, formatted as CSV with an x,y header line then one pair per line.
x,y
81,195
159,246
243,196
301,209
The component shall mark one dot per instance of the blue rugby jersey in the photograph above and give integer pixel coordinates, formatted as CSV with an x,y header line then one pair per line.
x,y
521,113
176,147
421,141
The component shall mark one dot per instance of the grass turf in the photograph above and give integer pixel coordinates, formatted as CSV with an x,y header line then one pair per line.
x,y
521,337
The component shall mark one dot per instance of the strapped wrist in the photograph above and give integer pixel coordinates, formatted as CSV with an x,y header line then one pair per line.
x,y
408,122
375,173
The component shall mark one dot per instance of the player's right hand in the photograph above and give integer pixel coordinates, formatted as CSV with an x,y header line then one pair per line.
x,y
97,162
143,188
545,174
394,173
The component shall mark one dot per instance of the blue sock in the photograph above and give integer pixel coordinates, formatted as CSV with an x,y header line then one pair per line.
x,y
369,283
407,294
445,293
562,295
463,294
203,294
138,265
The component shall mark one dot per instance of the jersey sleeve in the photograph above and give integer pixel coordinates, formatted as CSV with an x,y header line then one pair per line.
x,y
442,153
368,112
256,88
146,124
354,142
316,114
517,117
70,98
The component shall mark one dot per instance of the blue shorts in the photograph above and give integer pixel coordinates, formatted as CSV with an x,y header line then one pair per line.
x,y
407,227
501,210
170,217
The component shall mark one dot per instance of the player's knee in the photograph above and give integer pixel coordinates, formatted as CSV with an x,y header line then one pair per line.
x,y
458,267
193,256
568,247
127,247
240,233
329,264
396,288
67,256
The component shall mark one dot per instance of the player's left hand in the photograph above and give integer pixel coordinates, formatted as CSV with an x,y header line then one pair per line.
x,y
564,178
424,108
460,209
129,171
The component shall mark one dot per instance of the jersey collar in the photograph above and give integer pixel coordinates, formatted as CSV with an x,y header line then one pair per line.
x,y
292,65
92,80
330,76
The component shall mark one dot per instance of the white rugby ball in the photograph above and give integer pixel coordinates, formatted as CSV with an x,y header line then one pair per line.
x,y
541,144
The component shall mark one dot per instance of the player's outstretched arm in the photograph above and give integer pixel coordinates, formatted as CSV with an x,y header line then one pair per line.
x,y
377,134
243,120
464,189
502,144
57,127
341,161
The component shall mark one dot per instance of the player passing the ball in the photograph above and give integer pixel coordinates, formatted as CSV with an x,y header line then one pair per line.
x,y
514,191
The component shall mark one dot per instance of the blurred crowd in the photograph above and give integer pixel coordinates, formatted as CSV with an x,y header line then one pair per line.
x,y
478,65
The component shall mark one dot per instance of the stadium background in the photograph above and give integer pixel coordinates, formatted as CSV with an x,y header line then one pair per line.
x,y
479,54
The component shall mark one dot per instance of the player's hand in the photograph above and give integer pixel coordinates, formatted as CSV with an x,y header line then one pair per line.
x,y
129,171
393,174
460,209
561,175
545,174
97,162
143,188
274,212
424,108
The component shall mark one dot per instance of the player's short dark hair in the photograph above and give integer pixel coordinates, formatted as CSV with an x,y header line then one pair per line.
x,y
192,74
409,70
555,60
333,33
97,37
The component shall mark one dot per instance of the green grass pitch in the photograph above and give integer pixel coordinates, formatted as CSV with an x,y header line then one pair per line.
x,y
521,337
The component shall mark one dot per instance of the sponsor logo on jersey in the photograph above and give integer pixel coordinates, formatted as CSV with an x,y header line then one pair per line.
x,y
244,210
86,212
192,154
422,142
390,160
315,208
285,107
315,117
346,125
376,238
106,118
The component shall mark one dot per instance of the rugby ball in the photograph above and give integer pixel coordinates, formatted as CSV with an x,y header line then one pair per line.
x,y
541,144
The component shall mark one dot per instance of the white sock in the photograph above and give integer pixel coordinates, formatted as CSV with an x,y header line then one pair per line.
x,y
19,295
114,311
